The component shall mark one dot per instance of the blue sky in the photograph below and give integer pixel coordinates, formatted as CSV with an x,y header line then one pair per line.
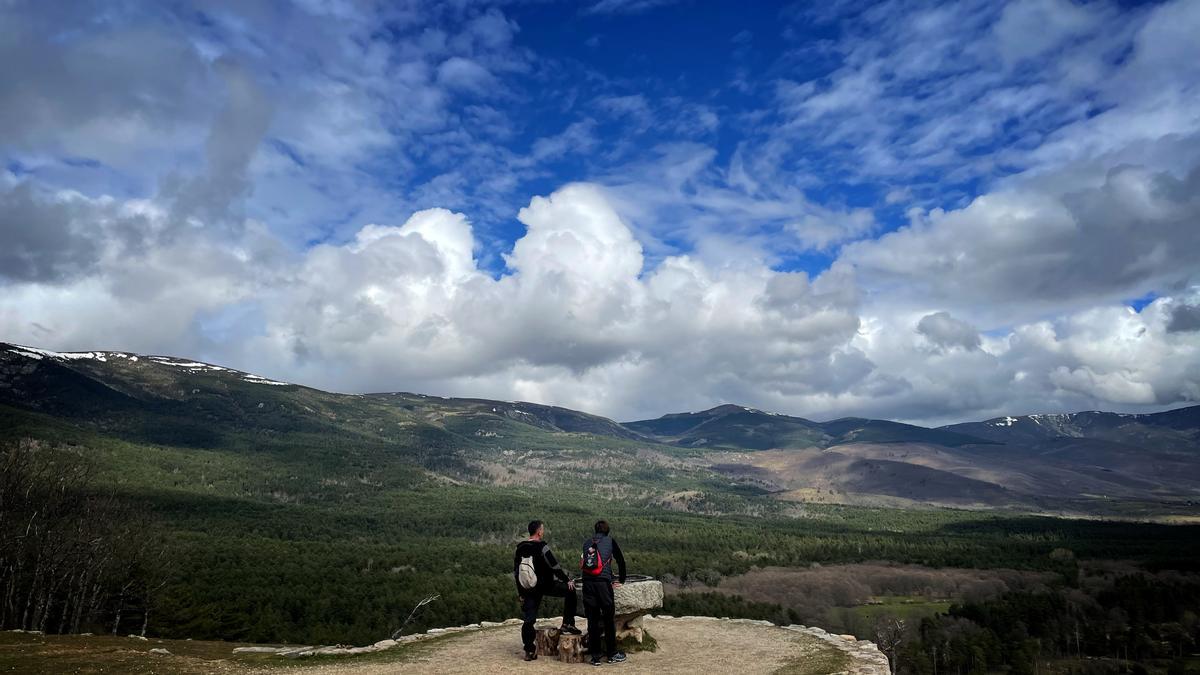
x,y
924,211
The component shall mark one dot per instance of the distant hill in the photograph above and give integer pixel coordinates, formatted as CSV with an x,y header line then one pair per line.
x,y
484,411
1176,428
731,426
177,401
304,439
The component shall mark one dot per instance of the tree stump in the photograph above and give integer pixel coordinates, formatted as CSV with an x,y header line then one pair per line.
x,y
547,641
570,648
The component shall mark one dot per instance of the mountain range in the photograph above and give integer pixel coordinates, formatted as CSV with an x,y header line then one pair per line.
x,y
1087,462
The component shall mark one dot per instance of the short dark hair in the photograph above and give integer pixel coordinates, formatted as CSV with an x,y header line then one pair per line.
x,y
533,526
601,527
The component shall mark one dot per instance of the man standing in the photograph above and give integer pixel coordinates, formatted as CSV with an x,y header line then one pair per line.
x,y
537,573
599,552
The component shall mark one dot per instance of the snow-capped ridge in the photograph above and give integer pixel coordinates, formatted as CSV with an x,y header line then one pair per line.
x,y
190,366
35,353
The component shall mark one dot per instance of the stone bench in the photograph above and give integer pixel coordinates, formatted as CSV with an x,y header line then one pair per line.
x,y
631,602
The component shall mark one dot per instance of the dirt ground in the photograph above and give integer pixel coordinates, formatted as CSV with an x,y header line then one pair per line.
x,y
684,646
691,646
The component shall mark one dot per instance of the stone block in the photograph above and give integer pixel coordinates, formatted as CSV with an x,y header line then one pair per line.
x,y
638,597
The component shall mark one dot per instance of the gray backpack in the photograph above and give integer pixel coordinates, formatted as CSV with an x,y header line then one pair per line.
x,y
526,575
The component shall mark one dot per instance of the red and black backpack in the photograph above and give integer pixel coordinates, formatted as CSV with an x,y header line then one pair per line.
x,y
590,561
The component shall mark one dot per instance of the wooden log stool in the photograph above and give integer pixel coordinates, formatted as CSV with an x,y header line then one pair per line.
x,y
547,640
571,648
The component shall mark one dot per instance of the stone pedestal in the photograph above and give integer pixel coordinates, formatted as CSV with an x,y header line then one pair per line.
x,y
633,601
629,625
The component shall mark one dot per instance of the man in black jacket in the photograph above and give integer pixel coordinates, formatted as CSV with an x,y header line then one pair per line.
x,y
551,580
598,601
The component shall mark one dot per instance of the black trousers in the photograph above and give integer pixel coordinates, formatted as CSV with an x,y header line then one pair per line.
x,y
533,599
598,606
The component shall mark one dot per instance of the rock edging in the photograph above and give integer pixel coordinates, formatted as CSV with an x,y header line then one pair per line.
x,y
343,650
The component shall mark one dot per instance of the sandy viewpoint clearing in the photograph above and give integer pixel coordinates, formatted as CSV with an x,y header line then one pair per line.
x,y
684,646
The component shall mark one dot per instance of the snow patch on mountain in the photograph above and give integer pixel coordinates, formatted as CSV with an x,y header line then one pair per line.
x,y
192,366
35,353
256,379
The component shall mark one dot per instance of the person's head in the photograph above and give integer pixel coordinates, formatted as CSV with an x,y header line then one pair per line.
x,y
536,528
601,527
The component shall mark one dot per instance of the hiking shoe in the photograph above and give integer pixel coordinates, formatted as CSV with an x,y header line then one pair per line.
x,y
531,656
569,630
617,658
596,661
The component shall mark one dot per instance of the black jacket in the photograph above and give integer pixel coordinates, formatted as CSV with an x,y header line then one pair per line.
x,y
545,565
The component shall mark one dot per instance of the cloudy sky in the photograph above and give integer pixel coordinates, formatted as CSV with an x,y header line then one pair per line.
x,y
630,207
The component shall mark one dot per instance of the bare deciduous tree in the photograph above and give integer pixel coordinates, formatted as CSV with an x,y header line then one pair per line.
x,y
889,633
428,599
66,548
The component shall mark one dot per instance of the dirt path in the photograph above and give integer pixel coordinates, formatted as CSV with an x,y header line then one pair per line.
x,y
684,646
